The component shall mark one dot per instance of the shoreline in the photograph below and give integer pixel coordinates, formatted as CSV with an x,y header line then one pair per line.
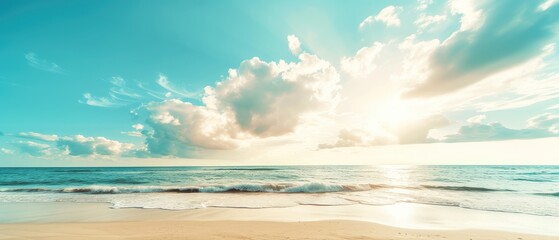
x,y
406,217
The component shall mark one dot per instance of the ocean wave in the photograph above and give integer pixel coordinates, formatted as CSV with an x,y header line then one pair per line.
x,y
531,180
249,169
77,170
466,188
246,188
552,194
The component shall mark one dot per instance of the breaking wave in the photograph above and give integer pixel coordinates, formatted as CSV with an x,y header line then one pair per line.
x,y
246,188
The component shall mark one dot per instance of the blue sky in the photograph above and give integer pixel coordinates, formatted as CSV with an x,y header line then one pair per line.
x,y
277,82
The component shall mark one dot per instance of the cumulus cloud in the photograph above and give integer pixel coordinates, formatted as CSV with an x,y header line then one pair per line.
x,y
294,44
363,63
259,99
42,64
38,136
485,47
33,148
178,127
84,146
267,99
388,15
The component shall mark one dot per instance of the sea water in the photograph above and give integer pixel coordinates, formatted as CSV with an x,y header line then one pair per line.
x,y
517,189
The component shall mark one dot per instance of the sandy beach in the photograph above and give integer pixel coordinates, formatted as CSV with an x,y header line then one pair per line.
x,y
241,230
98,221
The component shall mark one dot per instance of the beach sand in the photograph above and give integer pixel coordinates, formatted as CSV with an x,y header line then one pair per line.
x,y
407,221
240,230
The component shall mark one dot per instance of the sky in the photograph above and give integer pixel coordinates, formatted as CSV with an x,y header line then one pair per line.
x,y
146,83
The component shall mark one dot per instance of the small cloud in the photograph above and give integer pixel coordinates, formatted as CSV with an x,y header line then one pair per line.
x,y
167,85
545,5
138,126
33,148
6,151
37,136
84,146
423,4
42,64
425,20
99,101
294,44
138,130
388,15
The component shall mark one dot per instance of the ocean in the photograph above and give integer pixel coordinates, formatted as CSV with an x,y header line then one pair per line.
x,y
517,189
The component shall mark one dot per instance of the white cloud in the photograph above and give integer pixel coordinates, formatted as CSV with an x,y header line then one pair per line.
x,y
167,85
426,20
423,4
99,101
38,136
477,52
520,86
33,148
42,64
122,94
294,44
6,151
257,100
121,91
138,126
80,145
363,63
388,15
547,4
191,127
472,17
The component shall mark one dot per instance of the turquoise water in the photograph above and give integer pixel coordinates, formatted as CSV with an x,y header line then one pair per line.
x,y
518,189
